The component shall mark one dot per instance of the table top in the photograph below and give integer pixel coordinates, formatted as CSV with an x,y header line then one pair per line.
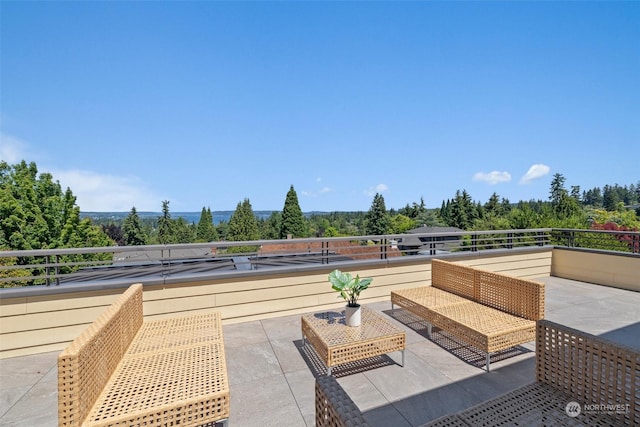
x,y
331,328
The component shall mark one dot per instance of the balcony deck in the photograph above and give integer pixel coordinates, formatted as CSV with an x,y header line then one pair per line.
x,y
272,375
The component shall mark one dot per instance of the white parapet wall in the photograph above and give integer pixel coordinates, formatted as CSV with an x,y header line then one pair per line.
x,y
48,321
609,269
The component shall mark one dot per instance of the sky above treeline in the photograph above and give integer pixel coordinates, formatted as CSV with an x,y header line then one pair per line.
x,y
206,103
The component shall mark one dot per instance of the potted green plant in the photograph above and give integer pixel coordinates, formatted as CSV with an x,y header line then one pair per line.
x,y
349,288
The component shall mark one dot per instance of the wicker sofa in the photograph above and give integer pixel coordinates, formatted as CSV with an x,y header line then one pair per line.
x,y
490,311
581,380
124,371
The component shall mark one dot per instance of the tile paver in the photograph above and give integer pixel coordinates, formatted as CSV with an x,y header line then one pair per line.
x,y
272,376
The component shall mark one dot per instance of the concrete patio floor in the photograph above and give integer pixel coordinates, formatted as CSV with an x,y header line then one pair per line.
x,y
272,375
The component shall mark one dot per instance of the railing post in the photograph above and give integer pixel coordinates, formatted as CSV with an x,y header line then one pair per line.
x,y
46,270
325,252
57,270
383,248
474,243
509,240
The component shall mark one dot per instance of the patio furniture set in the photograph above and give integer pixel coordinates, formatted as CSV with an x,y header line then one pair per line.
x,y
122,370
581,380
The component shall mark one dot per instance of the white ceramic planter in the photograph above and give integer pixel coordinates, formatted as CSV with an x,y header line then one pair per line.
x,y
352,315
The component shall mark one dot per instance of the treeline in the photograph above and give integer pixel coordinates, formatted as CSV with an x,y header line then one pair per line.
x,y
35,213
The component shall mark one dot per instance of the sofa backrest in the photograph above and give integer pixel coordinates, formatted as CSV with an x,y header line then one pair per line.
x,y
513,295
86,365
591,369
455,278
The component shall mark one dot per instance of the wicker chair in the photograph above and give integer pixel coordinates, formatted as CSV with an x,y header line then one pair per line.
x,y
123,371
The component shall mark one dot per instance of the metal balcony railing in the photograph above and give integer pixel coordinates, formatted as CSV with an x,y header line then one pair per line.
x,y
607,240
158,262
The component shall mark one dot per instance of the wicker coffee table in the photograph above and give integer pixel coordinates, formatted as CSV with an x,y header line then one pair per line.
x,y
336,343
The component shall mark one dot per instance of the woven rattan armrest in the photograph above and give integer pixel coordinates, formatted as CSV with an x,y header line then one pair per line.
x,y
85,365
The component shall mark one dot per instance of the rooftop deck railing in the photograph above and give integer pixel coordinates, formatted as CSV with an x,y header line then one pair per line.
x,y
81,265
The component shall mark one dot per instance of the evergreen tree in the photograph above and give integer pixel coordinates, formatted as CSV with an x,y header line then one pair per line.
x,y
206,230
270,228
445,212
492,207
132,230
377,221
165,225
563,205
557,191
593,197
293,222
243,224
506,205
36,214
610,198
463,211
575,193
183,232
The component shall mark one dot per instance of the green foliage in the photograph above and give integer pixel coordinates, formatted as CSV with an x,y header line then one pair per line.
x,y
183,232
461,212
165,226
377,219
243,226
36,214
293,222
6,271
622,217
557,190
270,227
401,224
132,230
348,286
206,231
414,211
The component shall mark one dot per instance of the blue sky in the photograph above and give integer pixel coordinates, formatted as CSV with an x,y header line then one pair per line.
x,y
207,103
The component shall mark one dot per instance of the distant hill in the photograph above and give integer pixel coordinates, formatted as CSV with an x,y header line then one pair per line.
x,y
218,216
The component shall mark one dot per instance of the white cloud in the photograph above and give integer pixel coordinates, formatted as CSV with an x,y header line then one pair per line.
x,y
493,177
107,193
323,190
535,171
12,149
380,188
